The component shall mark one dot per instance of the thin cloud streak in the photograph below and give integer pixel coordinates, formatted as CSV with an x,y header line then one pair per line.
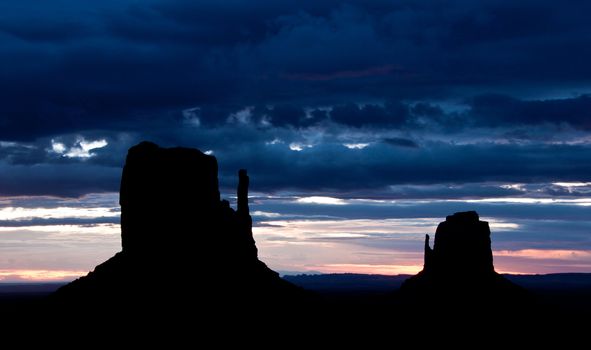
x,y
295,235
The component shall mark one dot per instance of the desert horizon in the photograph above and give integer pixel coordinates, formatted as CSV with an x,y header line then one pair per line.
x,y
286,225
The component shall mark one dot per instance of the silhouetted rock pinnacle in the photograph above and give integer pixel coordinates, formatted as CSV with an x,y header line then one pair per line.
x,y
180,241
460,264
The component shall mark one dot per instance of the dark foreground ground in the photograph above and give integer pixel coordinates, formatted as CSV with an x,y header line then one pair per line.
x,y
344,306
565,296
568,291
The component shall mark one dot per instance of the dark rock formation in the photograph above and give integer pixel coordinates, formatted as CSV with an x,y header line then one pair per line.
x,y
180,241
460,265
462,243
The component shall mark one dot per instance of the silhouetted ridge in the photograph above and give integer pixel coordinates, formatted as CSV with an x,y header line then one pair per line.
x,y
460,265
180,241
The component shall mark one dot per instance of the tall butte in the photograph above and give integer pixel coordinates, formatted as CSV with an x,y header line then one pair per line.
x,y
180,240
459,268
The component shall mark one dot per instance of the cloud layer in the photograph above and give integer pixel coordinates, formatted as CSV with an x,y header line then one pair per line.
x,y
245,79
47,238
420,92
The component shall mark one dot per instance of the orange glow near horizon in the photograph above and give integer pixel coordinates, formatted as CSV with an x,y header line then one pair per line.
x,y
502,266
561,254
391,246
369,269
542,261
39,275
518,262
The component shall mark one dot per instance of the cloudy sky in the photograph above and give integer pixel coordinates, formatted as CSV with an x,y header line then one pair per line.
x,y
362,124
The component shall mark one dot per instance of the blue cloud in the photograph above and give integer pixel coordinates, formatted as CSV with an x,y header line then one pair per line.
x,y
478,88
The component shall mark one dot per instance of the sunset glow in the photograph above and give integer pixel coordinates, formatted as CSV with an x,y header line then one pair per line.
x,y
39,275
548,254
56,239
369,269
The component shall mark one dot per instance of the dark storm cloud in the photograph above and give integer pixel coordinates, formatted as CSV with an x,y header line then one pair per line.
x,y
427,110
70,180
498,110
256,80
117,65
393,114
400,142
326,167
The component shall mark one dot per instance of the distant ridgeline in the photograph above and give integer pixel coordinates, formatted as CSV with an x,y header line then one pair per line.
x,y
181,243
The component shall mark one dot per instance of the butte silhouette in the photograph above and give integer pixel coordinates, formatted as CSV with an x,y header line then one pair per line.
x,y
180,242
459,268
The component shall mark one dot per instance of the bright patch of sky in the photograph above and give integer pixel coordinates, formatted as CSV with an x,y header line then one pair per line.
x,y
321,200
313,233
356,145
80,149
